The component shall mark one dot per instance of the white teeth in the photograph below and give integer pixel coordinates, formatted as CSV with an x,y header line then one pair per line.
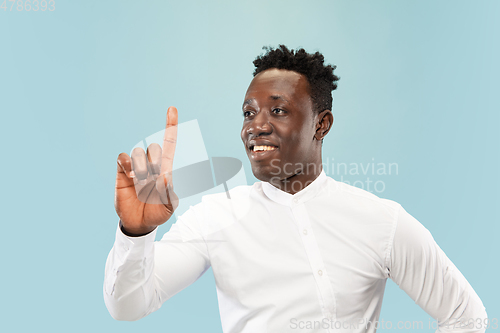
x,y
263,148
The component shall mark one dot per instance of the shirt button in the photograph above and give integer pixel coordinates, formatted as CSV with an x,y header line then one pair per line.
x,y
320,272
295,200
304,231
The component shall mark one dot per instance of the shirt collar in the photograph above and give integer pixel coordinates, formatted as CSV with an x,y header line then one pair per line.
x,y
288,199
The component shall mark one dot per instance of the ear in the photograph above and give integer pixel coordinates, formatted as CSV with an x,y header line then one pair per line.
x,y
324,121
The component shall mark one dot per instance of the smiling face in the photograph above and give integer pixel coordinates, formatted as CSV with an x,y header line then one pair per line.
x,y
281,132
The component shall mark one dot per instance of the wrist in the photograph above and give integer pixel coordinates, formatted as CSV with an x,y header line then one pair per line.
x,y
136,232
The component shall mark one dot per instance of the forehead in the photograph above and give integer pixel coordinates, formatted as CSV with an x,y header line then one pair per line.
x,y
290,84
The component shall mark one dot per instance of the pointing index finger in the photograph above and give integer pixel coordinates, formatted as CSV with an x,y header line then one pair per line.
x,y
169,141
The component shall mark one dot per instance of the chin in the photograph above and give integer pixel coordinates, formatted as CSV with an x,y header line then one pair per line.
x,y
264,174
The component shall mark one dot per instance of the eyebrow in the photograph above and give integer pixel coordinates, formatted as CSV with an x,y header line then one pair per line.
x,y
273,97
276,97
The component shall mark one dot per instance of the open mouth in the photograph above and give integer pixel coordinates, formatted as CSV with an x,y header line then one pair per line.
x,y
261,149
259,153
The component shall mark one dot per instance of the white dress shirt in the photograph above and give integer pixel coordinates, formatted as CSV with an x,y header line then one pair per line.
x,y
315,261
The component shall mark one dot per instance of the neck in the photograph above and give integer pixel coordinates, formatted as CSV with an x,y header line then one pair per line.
x,y
298,181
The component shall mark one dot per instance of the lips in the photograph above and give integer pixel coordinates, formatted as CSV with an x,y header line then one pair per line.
x,y
261,146
261,149
257,148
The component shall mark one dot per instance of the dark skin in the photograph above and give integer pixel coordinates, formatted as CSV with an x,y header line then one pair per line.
x,y
278,113
144,196
279,116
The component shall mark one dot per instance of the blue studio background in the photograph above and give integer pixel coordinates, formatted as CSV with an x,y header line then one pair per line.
x,y
89,79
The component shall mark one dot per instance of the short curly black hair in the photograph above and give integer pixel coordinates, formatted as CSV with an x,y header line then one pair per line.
x,y
321,79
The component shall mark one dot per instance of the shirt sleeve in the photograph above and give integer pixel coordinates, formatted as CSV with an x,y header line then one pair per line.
x,y
420,268
141,274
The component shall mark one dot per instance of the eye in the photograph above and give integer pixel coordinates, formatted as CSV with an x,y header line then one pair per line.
x,y
278,111
247,114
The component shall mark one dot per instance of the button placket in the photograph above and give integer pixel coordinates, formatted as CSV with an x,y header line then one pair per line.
x,y
316,261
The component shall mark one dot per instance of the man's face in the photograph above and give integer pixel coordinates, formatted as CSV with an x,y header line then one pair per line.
x,y
279,126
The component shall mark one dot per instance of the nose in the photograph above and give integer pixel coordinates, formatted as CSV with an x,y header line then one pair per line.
x,y
259,125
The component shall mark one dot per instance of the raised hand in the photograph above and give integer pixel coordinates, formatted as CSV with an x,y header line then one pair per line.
x,y
144,196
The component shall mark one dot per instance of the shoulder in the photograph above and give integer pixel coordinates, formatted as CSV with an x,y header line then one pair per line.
x,y
216,211
231,203
241,192
361,198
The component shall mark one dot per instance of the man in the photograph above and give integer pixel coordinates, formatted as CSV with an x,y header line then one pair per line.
x,y
296,251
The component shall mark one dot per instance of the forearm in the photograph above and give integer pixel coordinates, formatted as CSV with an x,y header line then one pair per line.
x,y
129,289
141,274
467,312
421,268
